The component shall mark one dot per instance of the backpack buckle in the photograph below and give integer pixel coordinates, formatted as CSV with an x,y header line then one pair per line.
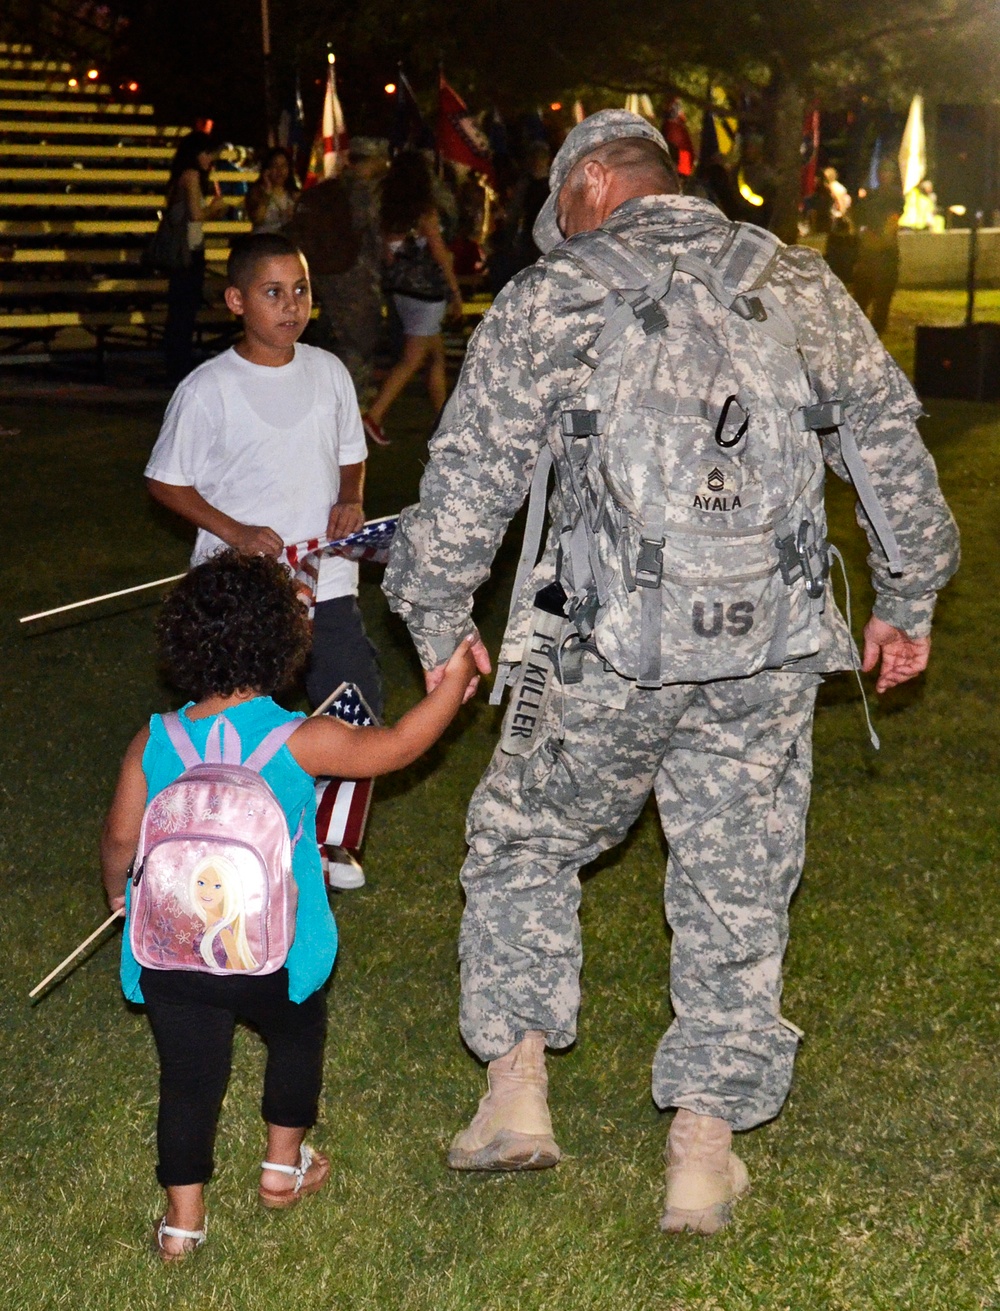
x,y
580,423
796,556
649,566
649,314
823,417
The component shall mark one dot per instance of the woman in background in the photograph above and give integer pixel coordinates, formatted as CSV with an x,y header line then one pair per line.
x,y
191,199
271,199
420,278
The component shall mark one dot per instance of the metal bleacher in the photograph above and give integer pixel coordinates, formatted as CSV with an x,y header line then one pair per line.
x,y
82,180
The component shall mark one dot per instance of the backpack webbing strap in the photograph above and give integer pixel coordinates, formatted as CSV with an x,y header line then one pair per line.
x,y
529,549
223,746
639,283
180,740
712,279
832,415
683,408
612,261
748,257
649,579
269,746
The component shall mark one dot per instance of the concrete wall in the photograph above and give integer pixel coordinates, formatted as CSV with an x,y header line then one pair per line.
x,y
940,259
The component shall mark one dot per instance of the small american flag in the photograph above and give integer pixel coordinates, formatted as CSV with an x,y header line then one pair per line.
x,y
342,803
371,542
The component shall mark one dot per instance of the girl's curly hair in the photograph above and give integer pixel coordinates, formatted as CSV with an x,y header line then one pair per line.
x,y
233,624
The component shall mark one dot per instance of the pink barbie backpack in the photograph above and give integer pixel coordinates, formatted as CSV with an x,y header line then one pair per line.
x,y
212,887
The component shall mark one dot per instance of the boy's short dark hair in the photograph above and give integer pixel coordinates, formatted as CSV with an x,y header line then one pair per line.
x,y
233,624
250,250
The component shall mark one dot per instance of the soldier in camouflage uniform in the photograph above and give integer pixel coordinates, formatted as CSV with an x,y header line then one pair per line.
x,y
729,760
351,302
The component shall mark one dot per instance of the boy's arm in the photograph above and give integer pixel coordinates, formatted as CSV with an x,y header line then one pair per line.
x,y
324,745
120,836
250,539
348,515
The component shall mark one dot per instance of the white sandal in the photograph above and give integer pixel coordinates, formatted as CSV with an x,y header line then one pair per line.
x,y
310,1175
193,1239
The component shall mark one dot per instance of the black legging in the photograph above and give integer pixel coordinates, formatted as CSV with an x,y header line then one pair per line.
x,y
193,1016
184,296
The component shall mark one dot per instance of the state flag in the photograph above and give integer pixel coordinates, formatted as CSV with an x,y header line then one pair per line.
x,y
329,152
458,137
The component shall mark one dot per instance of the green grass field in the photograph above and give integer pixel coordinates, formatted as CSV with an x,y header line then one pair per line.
x,y
879,1185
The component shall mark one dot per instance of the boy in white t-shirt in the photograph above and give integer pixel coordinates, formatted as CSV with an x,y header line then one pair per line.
x,y
263,446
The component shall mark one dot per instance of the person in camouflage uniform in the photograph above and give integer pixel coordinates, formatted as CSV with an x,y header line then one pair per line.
x,y
351,302
729,761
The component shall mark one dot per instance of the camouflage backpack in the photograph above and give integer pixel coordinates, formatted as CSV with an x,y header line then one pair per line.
x,y
691,526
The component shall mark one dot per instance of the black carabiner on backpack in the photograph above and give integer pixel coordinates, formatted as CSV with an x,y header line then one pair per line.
x,y
720,427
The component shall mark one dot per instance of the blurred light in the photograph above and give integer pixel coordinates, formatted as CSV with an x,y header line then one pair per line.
x,y
93,74
72,82
331,58
748,193
390,88
133,86
556,106
957,210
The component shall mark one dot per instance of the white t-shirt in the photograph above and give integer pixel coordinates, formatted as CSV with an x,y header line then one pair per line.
x,y
265,446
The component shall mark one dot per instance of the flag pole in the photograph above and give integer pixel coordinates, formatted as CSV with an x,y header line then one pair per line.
x,y
265,41
73,954
105,596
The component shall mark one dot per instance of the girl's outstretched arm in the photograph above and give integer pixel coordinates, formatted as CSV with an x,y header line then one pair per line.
x,y
120,837
324,745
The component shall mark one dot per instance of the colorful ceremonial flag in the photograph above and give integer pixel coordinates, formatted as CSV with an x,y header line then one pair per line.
x,y
370,543
678,138
810,151
718,128
329,152
639,102
913,147
458,137
342,803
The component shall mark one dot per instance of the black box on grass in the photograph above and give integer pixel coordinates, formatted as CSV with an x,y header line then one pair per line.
x,y
959,363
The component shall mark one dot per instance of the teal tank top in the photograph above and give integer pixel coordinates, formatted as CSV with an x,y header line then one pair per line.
x,y
314,948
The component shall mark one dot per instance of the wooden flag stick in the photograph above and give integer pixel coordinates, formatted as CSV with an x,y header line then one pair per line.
x,y
106,596
73,954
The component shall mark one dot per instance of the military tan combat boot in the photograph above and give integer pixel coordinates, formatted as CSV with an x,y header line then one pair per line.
x,y
704,1176
511,1129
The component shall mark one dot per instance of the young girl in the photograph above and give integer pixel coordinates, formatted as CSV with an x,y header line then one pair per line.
x,y
231,633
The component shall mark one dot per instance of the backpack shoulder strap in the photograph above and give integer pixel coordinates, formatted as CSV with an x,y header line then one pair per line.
x,y
640,284
269,746
530,544
223,746
180,740
747,257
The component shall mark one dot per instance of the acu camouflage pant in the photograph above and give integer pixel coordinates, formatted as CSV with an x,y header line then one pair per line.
x,y
730,764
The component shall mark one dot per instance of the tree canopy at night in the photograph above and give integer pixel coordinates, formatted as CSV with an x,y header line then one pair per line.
x,y
774,57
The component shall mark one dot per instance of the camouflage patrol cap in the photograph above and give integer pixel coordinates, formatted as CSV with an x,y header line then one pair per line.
x,y
369,148
597,130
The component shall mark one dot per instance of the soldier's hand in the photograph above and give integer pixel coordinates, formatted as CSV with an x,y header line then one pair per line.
x,y
902,657
252,539
481,657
